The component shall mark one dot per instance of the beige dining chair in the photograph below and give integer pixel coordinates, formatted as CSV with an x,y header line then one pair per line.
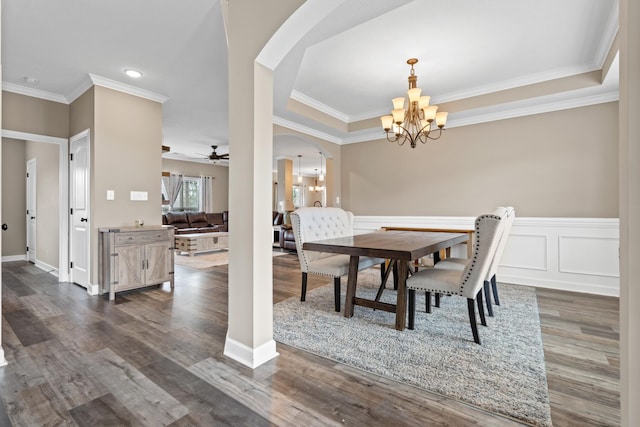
x,y
311,224
466,283
490,283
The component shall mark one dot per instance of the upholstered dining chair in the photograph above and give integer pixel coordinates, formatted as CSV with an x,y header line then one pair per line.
x,y
311,224
466,283
490,283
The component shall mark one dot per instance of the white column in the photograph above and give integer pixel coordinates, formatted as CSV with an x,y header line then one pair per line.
x,y
250,25
285,184
629,172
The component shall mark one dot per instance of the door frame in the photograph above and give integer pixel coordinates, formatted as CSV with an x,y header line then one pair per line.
x,y
63,195
32,186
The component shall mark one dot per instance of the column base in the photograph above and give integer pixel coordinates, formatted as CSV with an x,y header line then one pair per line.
x,y
251,357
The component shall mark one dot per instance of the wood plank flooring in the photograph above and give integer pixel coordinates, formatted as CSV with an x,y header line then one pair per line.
x,y
154,357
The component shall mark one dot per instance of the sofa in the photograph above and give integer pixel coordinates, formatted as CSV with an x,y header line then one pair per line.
x,y
287,241
277,219
197,222
201,222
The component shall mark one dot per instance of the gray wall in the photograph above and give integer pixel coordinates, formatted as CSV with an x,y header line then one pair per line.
x,y
559,164
34,115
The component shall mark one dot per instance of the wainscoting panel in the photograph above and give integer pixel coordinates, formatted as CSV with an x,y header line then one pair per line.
x,y
584,255
573,254
526,251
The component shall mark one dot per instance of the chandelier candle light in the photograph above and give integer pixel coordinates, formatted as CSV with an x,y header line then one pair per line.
x,y
416,122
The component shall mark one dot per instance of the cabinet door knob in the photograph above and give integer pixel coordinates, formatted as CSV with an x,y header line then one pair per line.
x,y
5,226
83,220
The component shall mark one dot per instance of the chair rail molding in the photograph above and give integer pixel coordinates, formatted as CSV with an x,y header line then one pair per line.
x,y
571,254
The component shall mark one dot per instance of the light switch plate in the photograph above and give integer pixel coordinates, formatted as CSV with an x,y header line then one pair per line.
x,y
139,195
111,195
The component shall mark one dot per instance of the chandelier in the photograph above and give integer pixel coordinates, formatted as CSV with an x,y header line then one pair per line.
x,y
316,188
416,122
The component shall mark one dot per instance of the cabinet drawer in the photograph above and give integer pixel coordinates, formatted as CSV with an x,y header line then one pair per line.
x,y
139,237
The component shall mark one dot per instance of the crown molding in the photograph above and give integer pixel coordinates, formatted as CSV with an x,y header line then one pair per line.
x,y
306,130
477,116
128,89
531,79
610,33
35,93
317,105
84,86
87,82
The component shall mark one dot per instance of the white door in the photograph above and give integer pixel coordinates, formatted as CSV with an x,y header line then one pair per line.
x,y
31,210
79,241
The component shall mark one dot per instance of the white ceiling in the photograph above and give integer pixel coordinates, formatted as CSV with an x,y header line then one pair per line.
x,y
348,66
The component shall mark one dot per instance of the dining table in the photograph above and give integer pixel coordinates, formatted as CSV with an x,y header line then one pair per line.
x,y
403,246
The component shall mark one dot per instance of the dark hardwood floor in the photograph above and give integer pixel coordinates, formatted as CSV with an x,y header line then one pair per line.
x,y
155,358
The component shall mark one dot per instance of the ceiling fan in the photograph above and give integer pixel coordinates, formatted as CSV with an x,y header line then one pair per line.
x,y
215,156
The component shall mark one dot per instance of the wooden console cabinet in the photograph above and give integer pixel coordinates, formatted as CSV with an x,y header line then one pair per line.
x,y
132,257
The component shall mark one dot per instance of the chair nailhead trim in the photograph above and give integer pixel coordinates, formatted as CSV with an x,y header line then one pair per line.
x,y
476,248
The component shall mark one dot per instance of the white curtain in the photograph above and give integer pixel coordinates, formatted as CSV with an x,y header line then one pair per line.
x,y
173,185
207,194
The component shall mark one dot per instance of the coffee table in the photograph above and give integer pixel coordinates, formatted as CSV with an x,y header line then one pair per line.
x,y
201,242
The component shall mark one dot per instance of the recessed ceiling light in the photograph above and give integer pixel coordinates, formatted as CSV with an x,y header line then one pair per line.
x,y
133,73
31,80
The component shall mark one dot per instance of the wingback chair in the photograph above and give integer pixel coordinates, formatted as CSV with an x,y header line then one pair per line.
x,y
311,224
490,280
466,283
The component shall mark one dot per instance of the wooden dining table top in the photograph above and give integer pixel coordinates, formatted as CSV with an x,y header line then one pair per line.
x,y
402,245
398,245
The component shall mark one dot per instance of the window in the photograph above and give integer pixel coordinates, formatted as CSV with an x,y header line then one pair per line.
x,y
189,196
297,196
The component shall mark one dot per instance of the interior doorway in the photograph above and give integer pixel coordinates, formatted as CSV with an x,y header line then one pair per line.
x,y
62,222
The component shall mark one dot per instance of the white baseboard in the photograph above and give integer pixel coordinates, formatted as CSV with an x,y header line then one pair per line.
x,y
562,285
46,267
572,254
12,258
93,289
251,357
41,265
3,361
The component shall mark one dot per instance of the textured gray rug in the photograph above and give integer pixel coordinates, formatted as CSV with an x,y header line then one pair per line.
x,y
505,375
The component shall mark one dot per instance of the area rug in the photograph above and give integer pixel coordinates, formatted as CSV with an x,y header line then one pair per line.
x,y
205,260
505,375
